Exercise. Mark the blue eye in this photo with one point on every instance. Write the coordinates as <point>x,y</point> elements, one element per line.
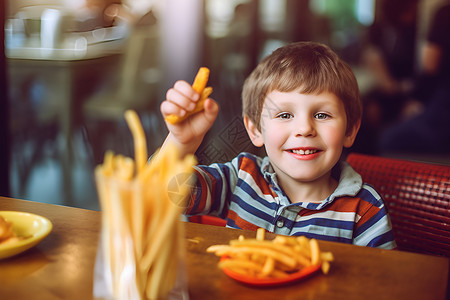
<point>321,116</point>
<point>284,116</point>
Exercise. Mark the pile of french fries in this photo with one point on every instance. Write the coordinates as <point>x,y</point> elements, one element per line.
<point>276,258</point>
<point>141,237</point>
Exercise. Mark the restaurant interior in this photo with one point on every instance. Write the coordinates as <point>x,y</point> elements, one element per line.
<point>71,69</point>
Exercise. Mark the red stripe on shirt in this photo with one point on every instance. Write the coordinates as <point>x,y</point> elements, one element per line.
<point>252,168</point>
<point>346,204</point>
<point>367,215</point>
<point>342,204</point>
<point>241,223</point>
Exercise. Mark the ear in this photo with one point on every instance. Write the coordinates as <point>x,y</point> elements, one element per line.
<point>253,132</point>
<point>350,136</point>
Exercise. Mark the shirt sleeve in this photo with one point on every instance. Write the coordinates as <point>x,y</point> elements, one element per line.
<point>212,189</point>
<point>374,227</point>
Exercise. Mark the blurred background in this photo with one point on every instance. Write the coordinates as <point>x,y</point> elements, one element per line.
<point>70,68</point>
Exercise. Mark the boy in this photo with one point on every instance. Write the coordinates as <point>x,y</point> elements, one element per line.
<point>302,104</point>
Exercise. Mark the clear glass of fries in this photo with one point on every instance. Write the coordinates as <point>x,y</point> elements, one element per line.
<point>141,248</point>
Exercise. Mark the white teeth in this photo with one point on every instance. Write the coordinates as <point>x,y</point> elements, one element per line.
<point>304,152</point>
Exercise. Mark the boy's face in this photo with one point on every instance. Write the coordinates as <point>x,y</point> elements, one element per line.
<point>303,134</point>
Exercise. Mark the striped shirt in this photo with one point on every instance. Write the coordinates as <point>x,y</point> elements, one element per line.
<point>246,193</point>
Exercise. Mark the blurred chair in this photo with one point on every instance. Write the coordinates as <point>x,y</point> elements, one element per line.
<point>417,196</point>
<point>135,86</point>
<point>137,78</point>
<point>33,128</point>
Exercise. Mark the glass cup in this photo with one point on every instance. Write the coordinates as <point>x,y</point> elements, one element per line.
<point>141,250</point>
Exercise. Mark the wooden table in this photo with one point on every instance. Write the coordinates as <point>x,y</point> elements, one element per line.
<point>61,266</point>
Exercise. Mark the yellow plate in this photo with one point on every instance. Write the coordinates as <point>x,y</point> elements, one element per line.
<point>30,228</point>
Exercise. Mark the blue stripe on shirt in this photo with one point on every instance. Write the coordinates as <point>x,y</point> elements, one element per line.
<point>331,223</point>
<point>381,239</point>
<point>322,237</point>
<point>253,212</point>
<point>368,196</point>
<point>253,195</point>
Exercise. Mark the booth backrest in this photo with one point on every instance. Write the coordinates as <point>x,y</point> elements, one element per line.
<point>417,196</point>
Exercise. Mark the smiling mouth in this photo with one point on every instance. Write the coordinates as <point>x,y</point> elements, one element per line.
<point>304,152</point>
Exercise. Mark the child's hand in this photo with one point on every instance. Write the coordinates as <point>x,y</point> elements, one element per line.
<point>180,100</point>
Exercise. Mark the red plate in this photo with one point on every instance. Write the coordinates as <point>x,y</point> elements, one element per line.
<point>294,277</point>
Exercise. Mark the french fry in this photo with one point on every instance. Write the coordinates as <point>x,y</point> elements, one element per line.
<point>315,251</point>
<point>275,258</point>
<point>201,79</point>
<point>241,266</point>
<point>199,85</point>
<point>123,167</point>
<point>326,256</point>
<point>268,267</point>
<point>325,267</point>
<point>140,144</point>
<point>279,257</point>
<point>108,165</point>
<point>281,244</point>
<point>260,234</point>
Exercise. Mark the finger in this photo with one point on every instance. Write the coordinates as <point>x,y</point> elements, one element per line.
<point>202,121</point>
<point>170,108</point>
<point>211,109</point>
<point>180,99</point>
<point>186,89</point>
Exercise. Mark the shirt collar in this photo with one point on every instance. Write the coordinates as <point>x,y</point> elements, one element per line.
<point>349,183</point>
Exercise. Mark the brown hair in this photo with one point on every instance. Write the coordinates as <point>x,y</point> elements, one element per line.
<point>306,67</point>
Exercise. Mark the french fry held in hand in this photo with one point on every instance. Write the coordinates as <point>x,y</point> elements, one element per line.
<point>275,258</point>
<point>199,85</point>
<point>141,235</point>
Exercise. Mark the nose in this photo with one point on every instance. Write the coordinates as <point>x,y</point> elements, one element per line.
<point>304,127</point>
